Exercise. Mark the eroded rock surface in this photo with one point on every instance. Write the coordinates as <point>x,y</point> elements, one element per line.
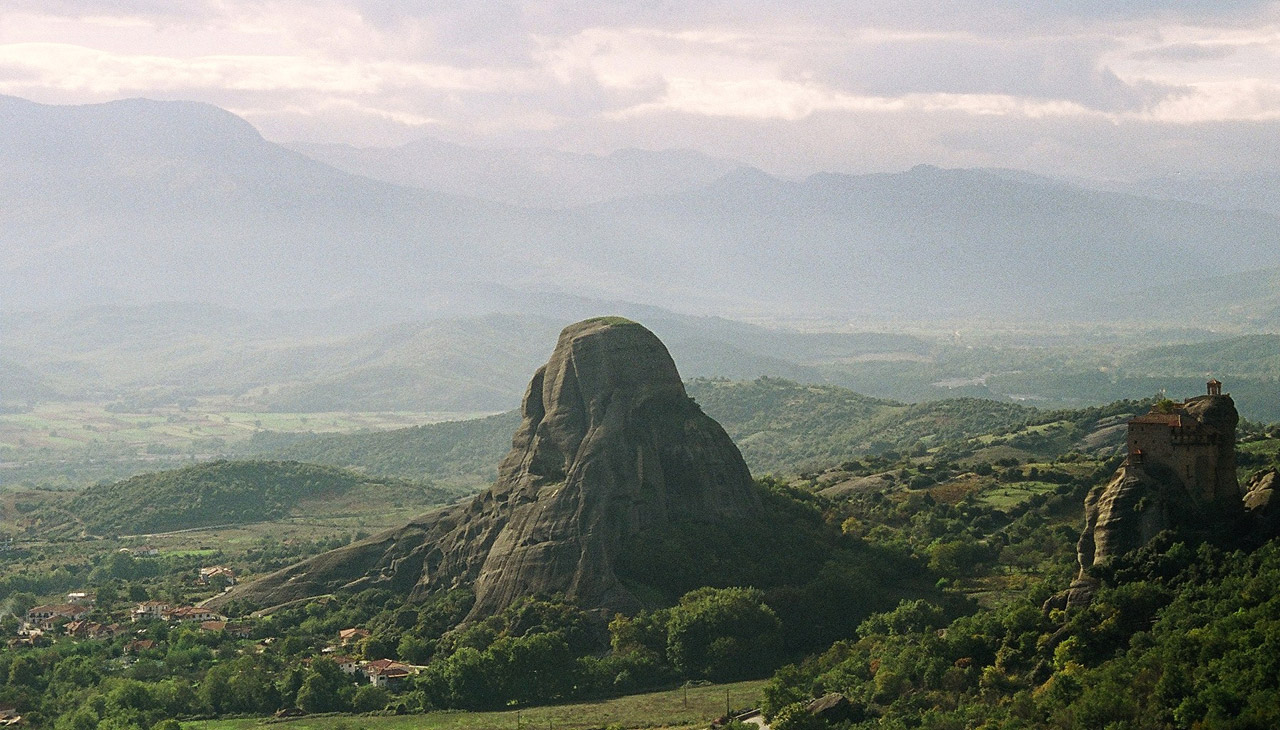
<point>609,446</point>
<point>1260,500</point>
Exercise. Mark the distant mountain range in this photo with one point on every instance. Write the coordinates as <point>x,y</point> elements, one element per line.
<point>142,201</point>
<point>1258,191</point>
<point>534,178</point>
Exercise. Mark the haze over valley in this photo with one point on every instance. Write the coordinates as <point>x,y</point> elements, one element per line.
<point>163,255</point>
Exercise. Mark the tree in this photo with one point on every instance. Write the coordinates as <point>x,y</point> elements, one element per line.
<point>796,717</point>
<point>537,667</point>
<point>24,672</point>
<point>909,617</point>
<point>414,650</point>
<point>320,689</point>
<point>370,698</point>
<point>20,603</point>
<point>723,633</point>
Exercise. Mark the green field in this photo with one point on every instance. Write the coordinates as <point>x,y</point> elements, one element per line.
<point>73,444</point>
<point>694,707</point>
<point>1006,496</point>
<point>59,425</point>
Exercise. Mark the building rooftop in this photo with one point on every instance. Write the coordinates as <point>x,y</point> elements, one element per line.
<point>1163,419</point>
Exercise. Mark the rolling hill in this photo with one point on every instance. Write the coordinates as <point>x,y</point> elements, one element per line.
<point>312,363</point>
<point>1255,356</point>
<point>224,492</point>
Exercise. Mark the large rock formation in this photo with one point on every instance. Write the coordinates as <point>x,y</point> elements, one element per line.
<point>1179,473</point>
<point>610,446</point>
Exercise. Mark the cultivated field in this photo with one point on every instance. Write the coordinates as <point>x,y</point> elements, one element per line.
<point>694,707</point>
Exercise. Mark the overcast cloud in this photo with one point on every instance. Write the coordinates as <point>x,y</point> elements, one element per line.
<point>1106,89</point>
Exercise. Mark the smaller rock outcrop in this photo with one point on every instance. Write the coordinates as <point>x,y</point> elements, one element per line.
<point>833,708</point>
<point>1261,502</point>
<point>1179,473</point>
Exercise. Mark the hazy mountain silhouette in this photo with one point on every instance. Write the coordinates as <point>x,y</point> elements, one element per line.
<point>538,178</point>
<point>140,200</point>
<point>1255,191</point>
<point>143,201</point>
<point>925,242</point>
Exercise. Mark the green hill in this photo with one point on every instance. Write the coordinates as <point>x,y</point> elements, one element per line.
<point>220,493</point>
<point>464,453</point>
<point>1249,355</point>
<point>782,426</point>
<point>19,384</point>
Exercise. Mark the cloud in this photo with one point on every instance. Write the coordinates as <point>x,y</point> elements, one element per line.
<point>1187,52</point>
<point>75,68</point>
<point>574,71</point>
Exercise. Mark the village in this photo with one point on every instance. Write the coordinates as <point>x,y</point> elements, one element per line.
<point>78,618</point>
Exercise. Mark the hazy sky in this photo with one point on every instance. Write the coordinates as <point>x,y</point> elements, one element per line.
<point>1087,87</point>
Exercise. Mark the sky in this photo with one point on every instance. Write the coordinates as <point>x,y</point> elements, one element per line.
<point>1118,90</point>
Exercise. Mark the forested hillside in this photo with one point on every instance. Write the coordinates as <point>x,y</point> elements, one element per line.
<point>1256,356</point>
<point>985,528</point>
<point>1183,641</point>
<point>782,426</point>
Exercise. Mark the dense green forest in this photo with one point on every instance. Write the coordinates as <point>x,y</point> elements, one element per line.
<point>1187,639</point>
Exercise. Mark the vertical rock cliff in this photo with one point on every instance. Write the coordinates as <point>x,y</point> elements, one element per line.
<point>610,446</point>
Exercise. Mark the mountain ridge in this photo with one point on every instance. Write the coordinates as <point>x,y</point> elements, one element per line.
<point>266,227</point>
<point>525,177</point>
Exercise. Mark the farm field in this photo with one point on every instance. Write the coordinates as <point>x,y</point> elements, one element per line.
<point>667,709</point>
<point>72,444</point>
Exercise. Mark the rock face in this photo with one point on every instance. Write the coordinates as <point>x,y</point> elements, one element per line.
<point>833,707</point>
<point>609,446</point>
<point>1179,473</point>
<point>1261,503</point>
<point>1127,512</point>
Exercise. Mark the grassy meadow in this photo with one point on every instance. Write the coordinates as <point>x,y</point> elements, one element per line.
<point>694,707</point>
